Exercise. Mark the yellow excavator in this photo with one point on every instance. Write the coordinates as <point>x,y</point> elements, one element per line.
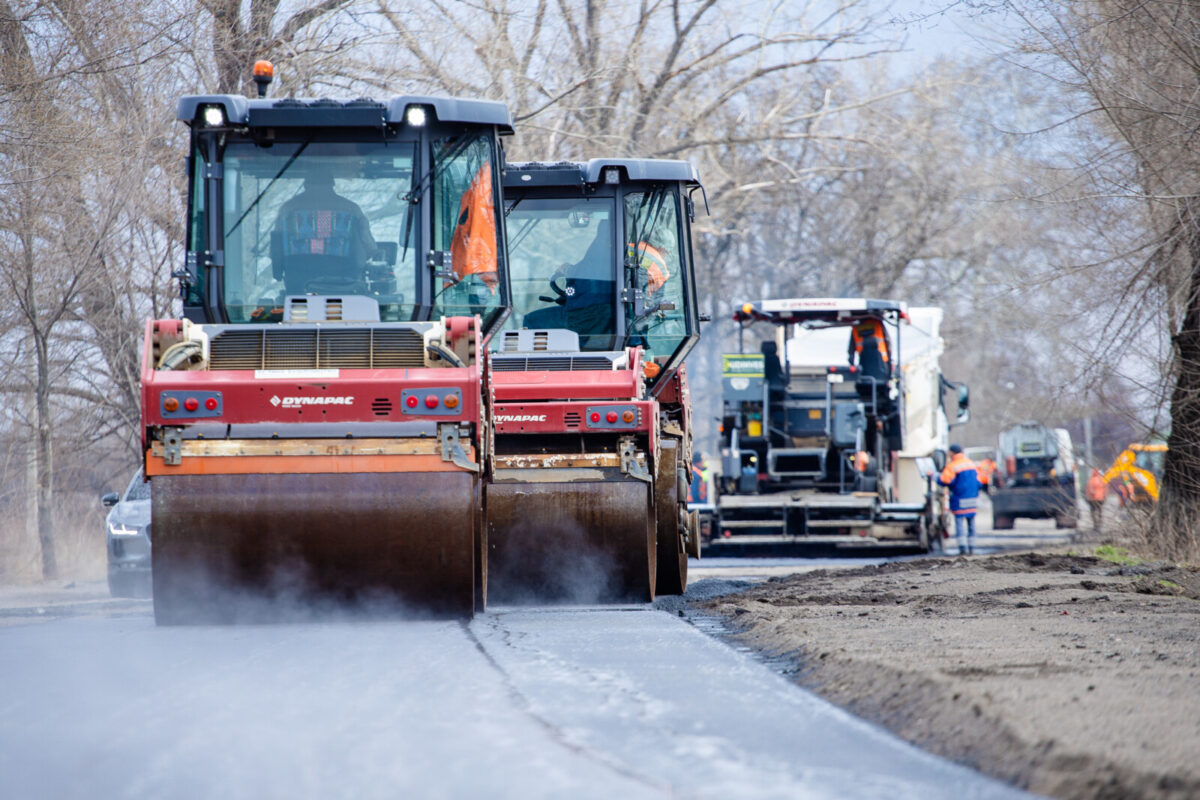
<point>1137,471</point>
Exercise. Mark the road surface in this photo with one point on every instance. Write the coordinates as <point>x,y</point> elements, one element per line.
<point>583,702</point>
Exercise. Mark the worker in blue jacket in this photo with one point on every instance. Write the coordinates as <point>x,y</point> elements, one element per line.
<point>962,478</point>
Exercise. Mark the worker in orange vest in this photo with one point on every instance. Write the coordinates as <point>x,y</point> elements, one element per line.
<point>862,329</point>
<point>986,469</point>
<point>1097,491</point>
<point>652,260</point>
<point>961,477</point>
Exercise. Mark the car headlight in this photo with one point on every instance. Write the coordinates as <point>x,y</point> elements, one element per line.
<point>121,530</point>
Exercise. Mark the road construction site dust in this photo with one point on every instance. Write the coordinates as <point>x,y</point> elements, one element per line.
<point>1066,675</point>
<point>551,564</point>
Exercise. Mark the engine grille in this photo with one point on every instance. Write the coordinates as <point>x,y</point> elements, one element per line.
<point>317,348</point>
<point>550,363</point>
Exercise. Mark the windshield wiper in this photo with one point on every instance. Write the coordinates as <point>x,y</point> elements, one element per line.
<point>263,193</point>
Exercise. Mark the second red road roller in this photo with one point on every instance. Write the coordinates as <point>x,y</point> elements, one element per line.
<point>592,419</point>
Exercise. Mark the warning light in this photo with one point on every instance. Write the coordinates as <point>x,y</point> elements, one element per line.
<point>191,404</point>
<point>264,73</point>
<point>650,369</point>
<point>595,416</point>
<point>211,404</point>
<point>451,401</point>
<point>611,416</point>
<point>627,416</point>
<point>747,308</point>
<point>171,404</point>
<point>431,401</point>
<point>411,402</point>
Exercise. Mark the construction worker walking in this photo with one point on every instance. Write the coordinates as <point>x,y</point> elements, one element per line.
<point>1097,491</point>
<point>962,478</point>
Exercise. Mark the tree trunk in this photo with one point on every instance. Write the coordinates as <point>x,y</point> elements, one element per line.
<point>45,495</point>
<point>1178,510</point>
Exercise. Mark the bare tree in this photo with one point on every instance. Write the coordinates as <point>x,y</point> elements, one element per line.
<point>69,118</point>
<point>1137,64</point>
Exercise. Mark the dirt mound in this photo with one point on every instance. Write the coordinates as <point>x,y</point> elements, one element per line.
<point>1068,675</point>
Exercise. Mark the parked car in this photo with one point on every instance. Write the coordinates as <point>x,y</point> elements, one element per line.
<point>128,537</point>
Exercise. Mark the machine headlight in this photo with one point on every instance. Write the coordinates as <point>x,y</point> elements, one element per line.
<point>120,530</point>
<point>415,116</point>
<point>214,116</point>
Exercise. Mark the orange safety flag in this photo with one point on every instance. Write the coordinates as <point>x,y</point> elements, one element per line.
<point>473,247</point>
<point>872,327</point>
<point>653,261</point>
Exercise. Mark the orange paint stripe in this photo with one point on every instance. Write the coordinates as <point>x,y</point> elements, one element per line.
<point>258,465</point>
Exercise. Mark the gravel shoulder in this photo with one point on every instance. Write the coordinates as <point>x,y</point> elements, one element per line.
<point>1064,674</point>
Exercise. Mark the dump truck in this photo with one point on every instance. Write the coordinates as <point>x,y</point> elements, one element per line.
<point>315,426</point>
<point>1035,476</point>
<point>1137,471</point>
<point>813,446</point>
<point>593,432</point>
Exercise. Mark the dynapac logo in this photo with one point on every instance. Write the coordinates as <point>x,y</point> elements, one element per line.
<point>295,402</point>
<point>520,418</point>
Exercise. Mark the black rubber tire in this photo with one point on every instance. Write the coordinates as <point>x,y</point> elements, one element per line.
<point>671,575</point>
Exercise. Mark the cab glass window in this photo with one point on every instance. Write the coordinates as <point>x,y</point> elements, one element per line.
<point>654,266</point>
<point>197,235</point>
<point>563,267</point>
<point>466,229</point>
<point>324,218</point>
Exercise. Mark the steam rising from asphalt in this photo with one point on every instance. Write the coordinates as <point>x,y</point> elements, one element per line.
<point>537,565</point>
<point>288,593</point>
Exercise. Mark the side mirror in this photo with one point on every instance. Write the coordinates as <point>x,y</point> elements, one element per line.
<point>110,499</point>
<point>939,460</point>
<point>964,405</point>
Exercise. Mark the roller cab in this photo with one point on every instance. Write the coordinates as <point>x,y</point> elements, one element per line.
<point>315,425</point>
<point>587,500</point>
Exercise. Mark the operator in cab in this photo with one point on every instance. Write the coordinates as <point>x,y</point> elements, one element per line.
<point>321,241</point>
<point>859,333</point>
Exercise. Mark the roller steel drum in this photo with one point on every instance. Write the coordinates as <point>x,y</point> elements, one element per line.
<point>570,542</point>
<point>232,548</point>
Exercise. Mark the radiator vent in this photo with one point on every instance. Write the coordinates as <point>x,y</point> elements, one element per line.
<point>382,406</point>
<point>316,348</point>
<point>506,363</point>
<point>572,419</point>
